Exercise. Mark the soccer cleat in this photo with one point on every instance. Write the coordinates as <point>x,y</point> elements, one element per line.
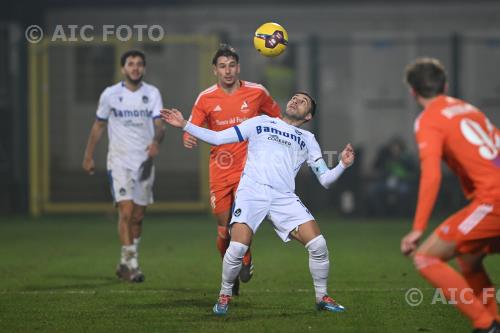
<point>327,303</point>
<point>494,328</point>
<point>246,271</point>
<point>236,287</point>
<point>122,272</point>
<point>220,308</point>
<point>136,275</point>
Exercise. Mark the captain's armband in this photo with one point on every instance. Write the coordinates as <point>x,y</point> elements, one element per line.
<point>319,167</point>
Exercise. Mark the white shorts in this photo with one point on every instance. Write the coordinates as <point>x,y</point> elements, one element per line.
<point>256,201</point>
<point>125,185</point>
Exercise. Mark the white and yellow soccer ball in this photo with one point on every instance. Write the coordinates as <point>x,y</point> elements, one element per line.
<point>270,39</point>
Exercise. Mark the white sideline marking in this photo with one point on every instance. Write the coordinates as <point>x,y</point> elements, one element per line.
<point>167,291</point>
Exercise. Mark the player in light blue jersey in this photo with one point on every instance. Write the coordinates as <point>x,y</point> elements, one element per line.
<point>276,150</point>
<point>130,110</point>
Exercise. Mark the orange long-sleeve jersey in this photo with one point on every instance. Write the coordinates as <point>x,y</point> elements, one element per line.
<point>219,110</point>
<point>461,135</point>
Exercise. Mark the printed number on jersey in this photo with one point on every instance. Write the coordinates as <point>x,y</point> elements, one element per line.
<point>487,141</point>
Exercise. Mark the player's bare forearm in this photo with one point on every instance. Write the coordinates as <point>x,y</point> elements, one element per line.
<point>94,137</point>
<point>153,148</point>
<point>159,131</point>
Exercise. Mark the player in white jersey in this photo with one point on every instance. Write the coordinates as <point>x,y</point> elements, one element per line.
<point>131,110</point>
<point>276,150</point>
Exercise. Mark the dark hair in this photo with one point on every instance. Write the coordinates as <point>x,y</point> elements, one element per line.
<point>426,76</point>
<point>132,53</point>
<point>312,109</point>
<point>225,50</point>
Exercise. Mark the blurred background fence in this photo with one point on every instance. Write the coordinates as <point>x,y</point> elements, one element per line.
<point>351,56</point>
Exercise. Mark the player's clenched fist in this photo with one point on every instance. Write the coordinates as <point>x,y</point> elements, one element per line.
<point>347,155</point>
<point>88,165</point>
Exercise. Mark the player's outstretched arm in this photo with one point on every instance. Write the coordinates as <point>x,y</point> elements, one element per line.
<point>327,176</point>
<point>88,163</point>
<point>175,118</point>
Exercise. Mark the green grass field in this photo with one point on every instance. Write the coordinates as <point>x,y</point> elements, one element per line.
<point>57,275</point>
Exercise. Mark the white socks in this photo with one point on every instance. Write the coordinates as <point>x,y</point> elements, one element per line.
<point>136,242</point>
<point>129,256</point>
<point>231,266</point>
<point>319,265</point>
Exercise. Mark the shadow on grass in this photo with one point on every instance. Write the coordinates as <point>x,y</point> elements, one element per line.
<point>74,282</point>
<point>198,310</point>
<point>81,277</point>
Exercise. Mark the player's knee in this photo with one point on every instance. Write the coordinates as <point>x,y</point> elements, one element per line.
<point>317,248</point>
<point>422,261</point>
<point>235,252</point>
<point>125,217</point>
<point>138,217</point>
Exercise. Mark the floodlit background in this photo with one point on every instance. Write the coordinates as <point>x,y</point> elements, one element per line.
<point>349,54</point>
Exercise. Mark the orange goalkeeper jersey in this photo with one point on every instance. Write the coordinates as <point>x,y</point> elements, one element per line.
<point>458,133</point>
<point>219,110</point>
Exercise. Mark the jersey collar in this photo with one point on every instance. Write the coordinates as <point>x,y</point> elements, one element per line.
<point>122,82</point>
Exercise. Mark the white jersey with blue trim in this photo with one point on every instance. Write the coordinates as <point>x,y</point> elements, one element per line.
<point>276,151</point>
<point>130,116</point>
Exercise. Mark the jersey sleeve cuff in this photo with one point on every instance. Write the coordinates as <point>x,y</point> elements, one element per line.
<point>419,226</point>
<point>101,119</point>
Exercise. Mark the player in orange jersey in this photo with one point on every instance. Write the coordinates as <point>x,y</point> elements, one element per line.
<point>224,105</point>
<point>456,132</point>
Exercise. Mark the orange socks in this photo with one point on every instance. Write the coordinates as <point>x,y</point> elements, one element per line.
<point>247,259</point>
<point>454,287</point>
<point>483,288</point>
<point>222,240</point>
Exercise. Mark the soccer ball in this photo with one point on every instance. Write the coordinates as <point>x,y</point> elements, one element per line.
<point>270,39</point>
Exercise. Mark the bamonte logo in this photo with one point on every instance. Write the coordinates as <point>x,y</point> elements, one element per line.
<point>132,113</point>
<point>272,130</point>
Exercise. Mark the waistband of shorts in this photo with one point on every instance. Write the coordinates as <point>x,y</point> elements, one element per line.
<point>246,177</point>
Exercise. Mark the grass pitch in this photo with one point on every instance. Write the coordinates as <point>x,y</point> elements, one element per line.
<point>57,275</point>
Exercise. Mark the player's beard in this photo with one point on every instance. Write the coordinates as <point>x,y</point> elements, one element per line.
<point>134,82</point>
<point>294,117</point>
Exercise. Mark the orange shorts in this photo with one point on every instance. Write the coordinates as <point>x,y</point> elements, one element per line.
<point>475,228</point>
<point>222,197</point>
